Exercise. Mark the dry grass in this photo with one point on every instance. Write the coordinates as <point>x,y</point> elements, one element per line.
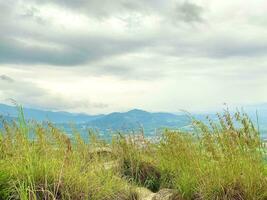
<point>219,161</point>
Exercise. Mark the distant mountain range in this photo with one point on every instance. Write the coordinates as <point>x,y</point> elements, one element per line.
<point>41,115</point>
<point>125,121</point>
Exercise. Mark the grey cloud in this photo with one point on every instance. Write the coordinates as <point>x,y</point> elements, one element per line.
<point>106,8</point>
<point>14,51</point>
<point>213,47</point>
<point>177,11</point>
<point>6,9</point>
<point>128,71</point>
<point>232,47</point>
<point>76,49</point>
<point>188,12</point>
<point>31,13</point>
<point>73,51</point>
<point>12,89</point>
<point>185,10</point>
<point>6,78</point>
<point>83,49</point>
<point>113,69</point>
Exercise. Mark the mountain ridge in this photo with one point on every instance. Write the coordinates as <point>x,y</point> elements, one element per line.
<point>124,121</point>
<point>46,115</point>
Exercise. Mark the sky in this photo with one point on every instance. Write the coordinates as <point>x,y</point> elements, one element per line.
<point>101,56</point>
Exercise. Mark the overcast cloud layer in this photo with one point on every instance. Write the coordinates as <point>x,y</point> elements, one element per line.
<point>99,56</point>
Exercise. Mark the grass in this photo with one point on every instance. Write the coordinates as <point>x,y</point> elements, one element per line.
<point>225,160</point>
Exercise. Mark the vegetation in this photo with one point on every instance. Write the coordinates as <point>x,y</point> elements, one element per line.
<point>218,161</point>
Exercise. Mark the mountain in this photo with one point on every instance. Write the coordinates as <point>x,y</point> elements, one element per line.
<point>42,115</point>
<point>136,119</point>
<point>127,121</point>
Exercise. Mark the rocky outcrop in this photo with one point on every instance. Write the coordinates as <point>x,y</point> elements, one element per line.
<point>163,194</point>
<point>144,193</point>
<point>166,194</point>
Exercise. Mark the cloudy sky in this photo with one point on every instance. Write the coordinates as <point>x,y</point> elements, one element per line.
<point>99,56</point>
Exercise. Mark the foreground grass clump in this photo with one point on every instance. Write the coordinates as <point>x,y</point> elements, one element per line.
<point>223,160</point>
<point>219,161</point>
<point>50,166</point>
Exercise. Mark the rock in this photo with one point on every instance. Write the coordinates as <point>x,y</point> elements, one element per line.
<point>167,194</point>
<point>149,197</point>
<point>144,193</point>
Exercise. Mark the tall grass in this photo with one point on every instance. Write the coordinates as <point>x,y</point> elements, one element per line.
<point>50,166</point>
<point>221,160</point>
